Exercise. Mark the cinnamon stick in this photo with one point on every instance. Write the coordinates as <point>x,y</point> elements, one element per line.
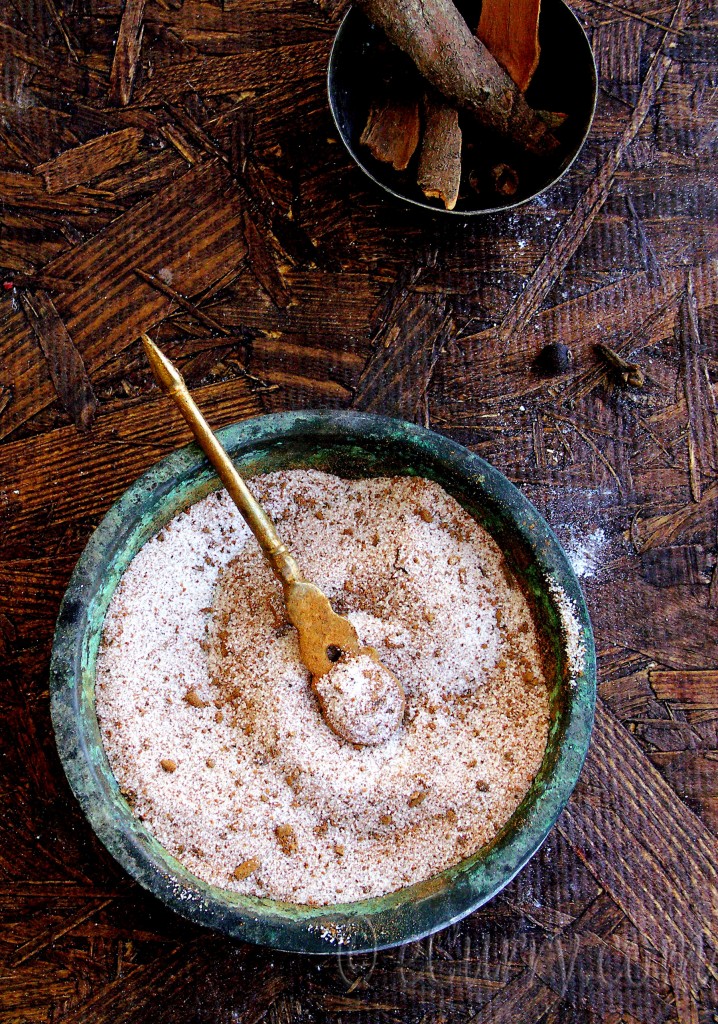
<point>445,51</point>
<point>509,28</point>
<point>392,130</point>
<point>439,173</point>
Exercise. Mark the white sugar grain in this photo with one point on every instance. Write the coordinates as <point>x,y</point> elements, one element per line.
<point>199,667</point>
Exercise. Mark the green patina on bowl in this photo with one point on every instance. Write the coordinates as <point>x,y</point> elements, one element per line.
<point>353,445</point>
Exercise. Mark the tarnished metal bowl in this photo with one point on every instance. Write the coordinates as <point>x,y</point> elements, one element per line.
<point>351,445</point>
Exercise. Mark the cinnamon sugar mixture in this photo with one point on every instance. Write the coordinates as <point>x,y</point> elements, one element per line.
<point>215,736</point>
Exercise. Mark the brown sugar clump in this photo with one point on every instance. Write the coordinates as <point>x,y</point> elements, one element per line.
<point>287,839</point>
<point>193,698</point>
<point>245,869</point>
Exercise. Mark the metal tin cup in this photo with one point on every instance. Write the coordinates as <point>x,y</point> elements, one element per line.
<point>565,81</point>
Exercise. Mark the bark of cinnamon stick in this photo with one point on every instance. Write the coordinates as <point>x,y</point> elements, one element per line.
<point>392,130</point>
<point>439,174</point>
<point>509,28</point>
<point>445,51</point>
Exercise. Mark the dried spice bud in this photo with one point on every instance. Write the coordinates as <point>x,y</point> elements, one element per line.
<point>629,374</point>
<point>168,764</point>
<point>286,838</point>
<point>245,869</point>
<point>506,180</point>
<point>554,359</point>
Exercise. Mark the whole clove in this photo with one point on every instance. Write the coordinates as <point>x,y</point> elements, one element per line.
<point>628,374</point>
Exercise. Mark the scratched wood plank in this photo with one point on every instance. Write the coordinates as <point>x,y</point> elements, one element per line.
<point>686,690</point>
<point>406,348</point>
<point>623,251</point>
<point>182,982</point>
<point>652,316</point>
<point>653,856</point>
<point>127,52</point>
<point>140,434</point>
<point>543,983</point>
<point>64,362</point>
<point>259,70</point>
<point>28,191</point>
<point>91,160</point>
<point>691,773</point>
<point>576,227</point>
<point>700,400</point>
<point>190,231</point>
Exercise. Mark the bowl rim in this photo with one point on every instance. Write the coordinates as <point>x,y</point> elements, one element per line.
<point>346,24</point>
<point>368,925</point>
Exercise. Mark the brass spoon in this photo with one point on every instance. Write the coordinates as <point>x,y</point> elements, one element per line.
<point>324,636</point>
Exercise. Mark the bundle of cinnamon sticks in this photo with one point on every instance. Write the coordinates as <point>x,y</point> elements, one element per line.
<point>482,73</point>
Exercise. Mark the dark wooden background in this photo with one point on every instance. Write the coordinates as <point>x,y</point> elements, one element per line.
<point>173,167</point>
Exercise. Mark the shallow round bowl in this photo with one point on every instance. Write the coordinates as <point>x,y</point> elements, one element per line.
<point>350,445</point>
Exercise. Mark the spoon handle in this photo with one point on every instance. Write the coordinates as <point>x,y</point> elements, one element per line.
<point>278,554</point>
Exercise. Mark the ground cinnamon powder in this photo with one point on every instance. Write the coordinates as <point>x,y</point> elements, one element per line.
<point>199,668</point>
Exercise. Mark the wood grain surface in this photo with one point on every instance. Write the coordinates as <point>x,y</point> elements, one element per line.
<point>171,165</point>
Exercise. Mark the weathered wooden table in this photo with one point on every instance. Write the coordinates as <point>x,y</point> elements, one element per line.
<point>174,167</point>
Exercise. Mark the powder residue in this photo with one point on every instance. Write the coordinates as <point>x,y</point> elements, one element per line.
<point>586,551</point>
<point>574,642</point>
<point>199,667</point>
